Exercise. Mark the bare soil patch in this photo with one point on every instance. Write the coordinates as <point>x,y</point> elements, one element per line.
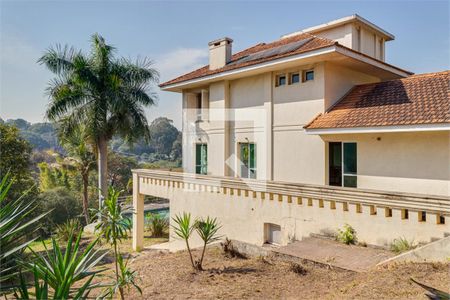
<point>169,276</point>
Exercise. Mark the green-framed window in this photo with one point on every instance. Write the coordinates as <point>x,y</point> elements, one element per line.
<point>201,159</point>
<point>343,164</point>
<point>247,160</point>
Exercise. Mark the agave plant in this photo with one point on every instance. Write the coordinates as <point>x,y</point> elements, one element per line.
<point>58,272</point>
<point>65,230</point>
<point>157,224</point>
<point>16,225</point>
<point>113,226</point>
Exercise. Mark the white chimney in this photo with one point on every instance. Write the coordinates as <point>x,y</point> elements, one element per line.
<point>219,53</point>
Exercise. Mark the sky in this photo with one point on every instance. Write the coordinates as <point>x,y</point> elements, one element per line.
<point>175,36</point>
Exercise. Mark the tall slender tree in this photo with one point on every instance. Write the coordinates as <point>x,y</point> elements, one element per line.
<point>105,94</point>
<point>80,157</point>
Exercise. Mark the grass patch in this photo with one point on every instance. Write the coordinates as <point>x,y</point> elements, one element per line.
<point>402,245</point>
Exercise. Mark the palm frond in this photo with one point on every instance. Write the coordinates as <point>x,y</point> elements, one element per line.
<point>59,59</point>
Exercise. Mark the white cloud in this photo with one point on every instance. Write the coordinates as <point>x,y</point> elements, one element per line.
<point>180,61</point>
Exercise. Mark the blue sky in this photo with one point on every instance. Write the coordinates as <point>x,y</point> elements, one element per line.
<point>175,35</point>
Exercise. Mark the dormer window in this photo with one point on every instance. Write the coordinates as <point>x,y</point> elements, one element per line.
<point>281,80</point>
<point>308,75</point>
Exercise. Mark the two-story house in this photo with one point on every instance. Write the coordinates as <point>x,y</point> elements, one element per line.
<point>312,131</point>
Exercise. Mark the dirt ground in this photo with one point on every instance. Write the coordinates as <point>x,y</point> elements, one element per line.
<point>169,276</point>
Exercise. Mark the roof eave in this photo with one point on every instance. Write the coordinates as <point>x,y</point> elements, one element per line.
<point>178,87</point>
<point>353,18</point>
<point>380,129</point>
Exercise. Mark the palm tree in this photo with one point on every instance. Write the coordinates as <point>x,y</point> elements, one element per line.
<point>105,94</point>
<point>80,156</point>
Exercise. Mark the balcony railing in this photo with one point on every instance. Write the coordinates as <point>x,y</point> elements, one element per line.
<point>277,189</point>
<point>165,184</point>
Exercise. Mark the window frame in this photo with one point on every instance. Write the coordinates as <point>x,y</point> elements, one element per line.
<point>343,165</point>
<point>304,80</point>
<point>201,166</point>
<point>250,169</point>
<point>277,80</point>
<point>290,78</point>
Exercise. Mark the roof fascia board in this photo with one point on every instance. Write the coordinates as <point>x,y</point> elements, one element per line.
<point>325,50</point>
<point>267,64</point>
<point>380,129</point>
<point>353,54</point>
<point>342,21</point>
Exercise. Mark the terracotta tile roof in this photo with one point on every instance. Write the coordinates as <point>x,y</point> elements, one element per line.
<point>313,44</point>
<point>418,99</point>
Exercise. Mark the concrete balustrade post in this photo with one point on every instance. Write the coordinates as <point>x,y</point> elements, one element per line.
<point>138,216</point>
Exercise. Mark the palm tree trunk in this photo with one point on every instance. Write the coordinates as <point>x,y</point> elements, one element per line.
<point>102,145</point>
<point>85,177</point>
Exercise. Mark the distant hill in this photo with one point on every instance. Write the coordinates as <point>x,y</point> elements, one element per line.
<point>41,136</point>
<point>165,141</point>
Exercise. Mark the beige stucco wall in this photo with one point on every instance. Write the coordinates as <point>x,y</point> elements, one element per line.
<point>342,34</point>
<point>339,80</point>
<point>416,162</point>
<point>273,118</point>
<point>357,37</point>
<point>243,218</point>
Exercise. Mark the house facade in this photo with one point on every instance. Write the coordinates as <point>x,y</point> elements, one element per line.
<point>317,119</point>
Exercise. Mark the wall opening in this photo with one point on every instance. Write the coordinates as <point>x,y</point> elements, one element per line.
<point>272,233</point>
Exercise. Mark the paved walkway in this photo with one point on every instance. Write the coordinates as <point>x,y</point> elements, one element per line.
<point>354,258</point>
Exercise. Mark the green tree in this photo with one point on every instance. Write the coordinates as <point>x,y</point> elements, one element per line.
<point>163,135</point>
<point>80,157</point>
<point>15,153</point>
<point>63,205</point>
<point>177,150</point>
<point>53,176</point>
<point>119,170</point>
<point>105,94</point>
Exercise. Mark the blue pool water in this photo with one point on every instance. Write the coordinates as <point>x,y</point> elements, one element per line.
<point>163,212</point>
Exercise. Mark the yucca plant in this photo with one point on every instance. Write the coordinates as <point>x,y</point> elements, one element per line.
<point>183,229</point>
<point>157,224</point>
<point>127,278</point>
<point>16,226</point>
<point>58,272</point>
<point>207,230</point>
<point>113,226</point>
<point>65,230</point>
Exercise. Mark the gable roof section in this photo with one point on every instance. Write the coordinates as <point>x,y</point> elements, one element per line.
<point>298,44</point>
<point>238,60</point>
<point>416,100</point>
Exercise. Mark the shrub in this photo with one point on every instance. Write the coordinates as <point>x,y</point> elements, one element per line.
<point>230,250</point>
<point>71,227</point>
<point>158,224</point>
<point>402,244</point>
<point>63,206</point>
<point>347,235</point>
<point>298,269</point>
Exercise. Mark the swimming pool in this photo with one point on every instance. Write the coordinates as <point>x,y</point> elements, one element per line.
<point>163,212</point>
